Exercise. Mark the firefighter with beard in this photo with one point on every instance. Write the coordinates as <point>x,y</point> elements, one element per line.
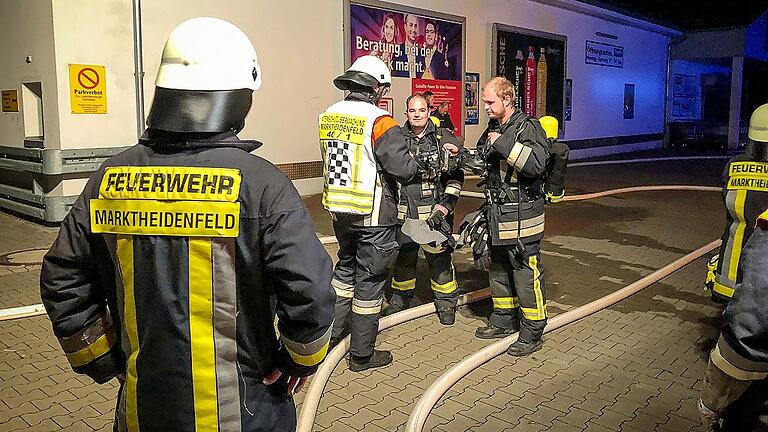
<point>431,197</point>
<point>172,264</point>
<point>505,234</point>
<point>745,193</point>
<point>736,381</point>
<point>365,155</point>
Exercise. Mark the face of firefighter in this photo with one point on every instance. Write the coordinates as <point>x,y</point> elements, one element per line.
<point>496,107</point>
<point>418,114</point>
<point>412,28</point>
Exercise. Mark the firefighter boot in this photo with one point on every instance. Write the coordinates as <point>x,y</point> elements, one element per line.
<point>396,304</point>
<point>493,332</point>
<point>375,360</point>
<point>446,315</point>
<point>522,349</point>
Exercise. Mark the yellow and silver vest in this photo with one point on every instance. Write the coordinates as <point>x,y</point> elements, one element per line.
<point>349,167</point>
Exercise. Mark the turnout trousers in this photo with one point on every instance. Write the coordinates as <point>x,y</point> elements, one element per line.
<point>518,292</point>
<point>365,254</point>
<point>442,275</point>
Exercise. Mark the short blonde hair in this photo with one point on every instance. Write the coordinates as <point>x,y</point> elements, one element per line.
<point>503,88</point>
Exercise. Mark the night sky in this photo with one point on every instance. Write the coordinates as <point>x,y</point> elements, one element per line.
<point>689,14</point>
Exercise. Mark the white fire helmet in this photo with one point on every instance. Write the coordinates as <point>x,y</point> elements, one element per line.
<point>366,71</point>
<point>208,54</point>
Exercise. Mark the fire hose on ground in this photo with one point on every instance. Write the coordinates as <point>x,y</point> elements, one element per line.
<point>320,379</point>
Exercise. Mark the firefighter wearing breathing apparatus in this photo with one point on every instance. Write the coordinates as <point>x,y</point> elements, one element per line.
<point>427,203</point>
<point>505,234</point>
<point>172,265</point>
<point>745,193</point>
<point>365,155</point>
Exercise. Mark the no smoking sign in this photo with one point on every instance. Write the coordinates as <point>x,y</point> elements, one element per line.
<point>88,89</point>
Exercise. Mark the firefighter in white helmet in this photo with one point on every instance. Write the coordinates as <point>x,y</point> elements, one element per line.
<point>171,266</point>
<point>365,155</point>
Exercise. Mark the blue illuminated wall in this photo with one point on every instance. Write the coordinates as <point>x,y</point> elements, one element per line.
<point>695,70</point>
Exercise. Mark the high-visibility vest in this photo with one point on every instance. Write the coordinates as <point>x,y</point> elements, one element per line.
<point>349,166</point>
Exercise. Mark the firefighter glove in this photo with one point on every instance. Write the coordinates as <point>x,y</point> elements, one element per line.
<point>709,284</point>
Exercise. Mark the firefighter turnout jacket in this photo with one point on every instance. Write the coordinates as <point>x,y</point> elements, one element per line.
<point>419,196</point>
<point>364,158</point>
<point>736,384</point>
<point>521,151</point>
<point>745,192</point>
<point>169,270</point>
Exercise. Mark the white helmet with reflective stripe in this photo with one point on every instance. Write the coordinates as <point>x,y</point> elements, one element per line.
<point>367,71</point>
<point>207,75</point>
<point>208,54</point>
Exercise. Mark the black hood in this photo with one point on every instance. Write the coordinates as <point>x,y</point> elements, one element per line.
<point>757,150</point>
<point>199,111</point>
<point>172,141</point>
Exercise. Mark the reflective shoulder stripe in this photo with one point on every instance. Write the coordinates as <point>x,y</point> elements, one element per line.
<point>736,366</point>
<point>309,353</point>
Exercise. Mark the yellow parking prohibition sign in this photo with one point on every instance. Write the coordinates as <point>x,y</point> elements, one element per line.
<point>88,89</point>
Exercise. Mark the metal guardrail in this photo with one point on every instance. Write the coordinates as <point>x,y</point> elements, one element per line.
<point>47,162</point>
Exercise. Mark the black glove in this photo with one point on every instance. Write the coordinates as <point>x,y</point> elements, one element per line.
<point>480,251</point>
<point>436,220</point>
<point>439,223</point>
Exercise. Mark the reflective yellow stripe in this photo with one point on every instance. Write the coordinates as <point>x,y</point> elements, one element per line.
<point>352,192</point>
<point>740,374</point>
<point>531,314</point>
<point>360,310</point>
<point>723,290</point>
<point>404,285</point>
<point>541,307</point>
<point>447,287</point>
<point>738,237</point>
<point>344,293</point>
<point>504,302</point>
<point>201,335</point>
<point>125,260</point>
<point>309,360</point>
<point>93,351</point>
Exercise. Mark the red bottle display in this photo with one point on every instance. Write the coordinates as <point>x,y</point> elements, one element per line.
<point>530,83</point>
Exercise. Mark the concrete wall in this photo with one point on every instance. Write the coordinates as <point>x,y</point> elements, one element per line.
<point>97,32</point>
<point>27,30</point>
